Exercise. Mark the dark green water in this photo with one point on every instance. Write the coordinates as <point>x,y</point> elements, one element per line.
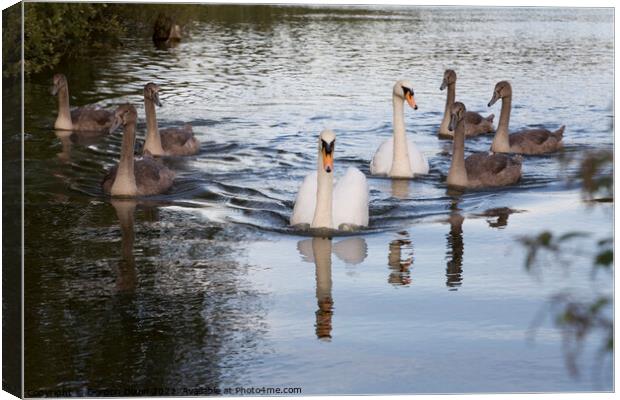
<point>207,288</point>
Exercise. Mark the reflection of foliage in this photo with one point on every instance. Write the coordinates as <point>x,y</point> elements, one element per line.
<point>162,26</point>
<point>547,241</point>
<point>576,317</point>
<point>56,30</point>
<point>11,39</point>
<point>596,177</point>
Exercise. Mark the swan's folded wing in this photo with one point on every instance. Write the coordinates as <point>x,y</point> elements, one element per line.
<point>382,161</point>
<point>152,177</point>
<point>473,118</point>
<point>90,118</point>
<point>479,164</point>
<point>419,163</point>
<point>536,136</point>
<point>305,202</point>
<point>350,205</point>
<point>175,136</point>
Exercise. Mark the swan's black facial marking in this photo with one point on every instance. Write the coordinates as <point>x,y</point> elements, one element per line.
<point>407,90</point>
<point>408,95</point>
<point>328,148</point>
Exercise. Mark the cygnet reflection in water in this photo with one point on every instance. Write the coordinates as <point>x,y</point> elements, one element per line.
<point>319,251</point>
<point>454,246</point>
<point>65,141</point>
<point>68,139</point>
<point>498,217</point>
<point>126,271</point>
<point>454,252</point>
<point>398,262</point>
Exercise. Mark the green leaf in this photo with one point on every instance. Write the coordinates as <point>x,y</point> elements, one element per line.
<point>605,258</point>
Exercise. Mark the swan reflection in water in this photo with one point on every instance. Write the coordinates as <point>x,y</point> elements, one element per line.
<point>454,245</point>
<point>68,139</point>
<point>66,143</point>
<point>126,271</point>
<point>454,253</point>
<point>319,251</point>
<point>400,188</point>
<point>400,264</point>
<point>495,217</point>
<point>498,217</point>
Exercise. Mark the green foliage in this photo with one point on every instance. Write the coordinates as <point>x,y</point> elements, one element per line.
<point>577,319</point>
<point>549,242</point>
<point>11,39</point>
<point>605,256</point>
<point>59,31</point>
<point>53,31</point>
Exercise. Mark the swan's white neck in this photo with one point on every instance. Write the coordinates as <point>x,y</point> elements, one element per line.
<point>323,210</point>
<point>401,167</point>
<point>457,175</point>
<point>125,181</point>
<point>501,141</point>
<point>63,121</point>
<point>443,128</point>
<point>152,144</point>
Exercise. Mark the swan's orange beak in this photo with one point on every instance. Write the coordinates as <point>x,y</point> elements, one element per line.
<point>411,101</point>
<point>328,161</point>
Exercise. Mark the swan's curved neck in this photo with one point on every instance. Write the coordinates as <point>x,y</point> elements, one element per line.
<point>457,175</point>
<point>153,140</point>
<point>401,167</point>
<point>63,121</point>
<point>443,128</point>
<point>501,142</point>
<point>323,210</point>
<point>125,182</point>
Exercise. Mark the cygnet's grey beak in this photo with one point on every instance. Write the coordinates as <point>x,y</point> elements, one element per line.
<point>493,99</point>
<point>452,124</point>
<point>156,100</point>
<point>444,84</point>
<point>115,124</point>
<point>54,90</point>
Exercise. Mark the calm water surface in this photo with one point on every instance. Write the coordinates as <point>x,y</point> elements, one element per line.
<point>207,287</point>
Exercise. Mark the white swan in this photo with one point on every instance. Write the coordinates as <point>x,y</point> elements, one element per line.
<point>321,204</point>
<point>398,157</point>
